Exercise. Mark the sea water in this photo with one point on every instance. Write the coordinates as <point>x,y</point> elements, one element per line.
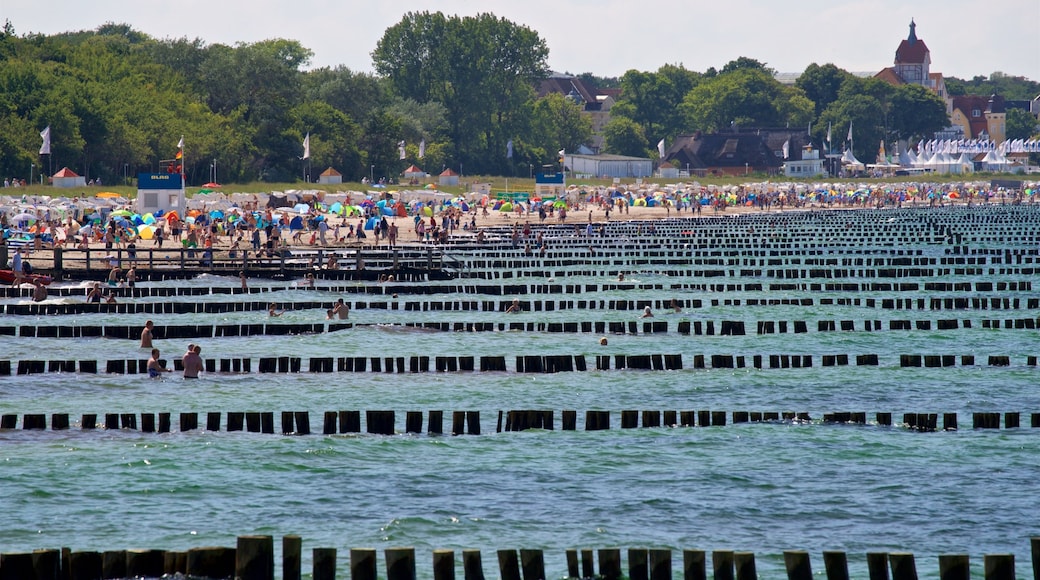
<point>761,487</point>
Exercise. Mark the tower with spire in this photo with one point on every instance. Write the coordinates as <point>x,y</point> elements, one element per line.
<point>913,59</point>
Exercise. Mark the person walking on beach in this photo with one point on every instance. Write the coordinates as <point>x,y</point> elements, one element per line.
<point>146,334</point>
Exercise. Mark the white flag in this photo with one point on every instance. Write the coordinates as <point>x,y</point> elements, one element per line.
<point>828,133</point>
<point>660,148</point>
<point>306,147</point>
<point>787,149</point>
<point>45,149</point>
<point>509,149</point>
<point>422,148</point>
<point>850,132</point>
<point>180,144</point>
<point>400,149</point>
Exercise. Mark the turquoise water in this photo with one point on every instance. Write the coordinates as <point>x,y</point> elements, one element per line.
<point>763,487</point>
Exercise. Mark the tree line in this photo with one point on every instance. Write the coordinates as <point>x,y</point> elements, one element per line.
<point>465,88</point>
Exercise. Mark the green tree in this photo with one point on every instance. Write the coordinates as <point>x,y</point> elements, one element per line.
<point>480,68</point>
<point>652,99</point>
<point>864,113</point>
<point>561,124</point>
<point>745,97</point>
<point>917,113</point>
<point>1020,124</point>
<point>821,85</point>
<point>623,136</point>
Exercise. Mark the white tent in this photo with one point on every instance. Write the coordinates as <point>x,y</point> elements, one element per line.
<point>848,159</point>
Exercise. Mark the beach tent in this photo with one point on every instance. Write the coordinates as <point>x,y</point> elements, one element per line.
<point>449,177</point>
<point>68,178</point>
<point>330,175</point>
<point>848,159</point>
<point>414,172</point>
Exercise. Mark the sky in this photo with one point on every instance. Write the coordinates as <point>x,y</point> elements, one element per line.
<point>602,37</point>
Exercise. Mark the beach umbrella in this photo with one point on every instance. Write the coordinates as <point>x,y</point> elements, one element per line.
<point>122,213</point>
<point>22,217</point>
<point>216,214</point>
<point>336,208</point>
<point>84,230</point>
<point>301,208</point>
<point>148,218</point>
<point>146,232</point>
<point>296,223</point>
<point>371,223</point>
<point>507,206</point>
<point>427,211</point>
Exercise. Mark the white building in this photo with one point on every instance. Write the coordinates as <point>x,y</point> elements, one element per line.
<point>810,165</point>
<point>609,165</point>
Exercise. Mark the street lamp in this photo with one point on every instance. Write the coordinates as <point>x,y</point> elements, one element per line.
<point>371,174</point>
<point>126,174</point>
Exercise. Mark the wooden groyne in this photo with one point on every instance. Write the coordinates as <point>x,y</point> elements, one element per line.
<point>385,422</point>
<point>253,558</point>
<point>521,363</point>
<point>683,327</point>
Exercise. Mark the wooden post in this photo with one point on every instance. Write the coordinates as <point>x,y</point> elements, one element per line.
<point>175,563</point>
<point>638,564</point>
<point>46,564</point>
<point>588,565</point>
<point>84,566</point>
<point>1035,545</point>
<point>877,565</point>
<point>572,564</point>
<point>660,564</point>
<point>836,564</point>
<point>745,565</point>
<point>694,567</point>
<point>292,550</point>
<point>472,567</point>
<point>16,566</point>
<point>999,566</point>
<point>211,562</point>
<point>903,567</point>
<point>443,565</point>
<point>532,562</point>
<point>145,563</point>
<point>722,564</point>
<point>113,564</point>
<point>400,563</point>
<point>798,565</point>
<point>324,564</point>
<point>954,567</point>
<point>254,557</point>
<point>362,564</point>
<point>609,563</point>
<point>508,565</point>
